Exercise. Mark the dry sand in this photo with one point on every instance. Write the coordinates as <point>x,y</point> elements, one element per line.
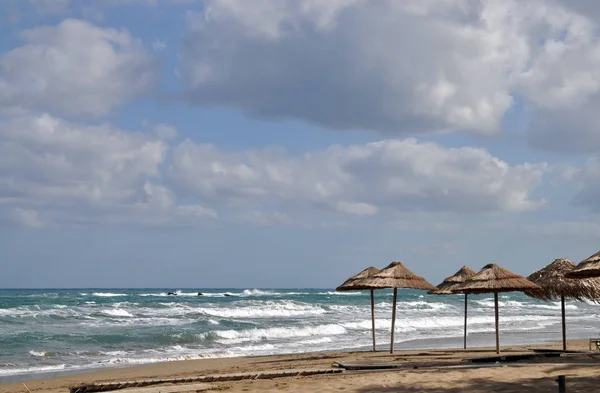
<point>520,377</point>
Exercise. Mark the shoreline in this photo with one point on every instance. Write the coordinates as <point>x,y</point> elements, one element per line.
<point>476,342</point>
<point>308,360</point>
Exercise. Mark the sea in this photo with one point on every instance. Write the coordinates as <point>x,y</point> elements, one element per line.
<point>46,332</point>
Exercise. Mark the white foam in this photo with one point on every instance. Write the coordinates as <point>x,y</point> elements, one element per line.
<point>258,292</point>
<point>528,305</point>
<point>108,294</point>
<point>264,310</point>
<point>366,324</point>
<point>423,305</point>
<point>349,293</point>
<point>40,354</point>
<point>235,336</point>
<point>320,340</point>
<point>117,313</point>
<point>29,370</point>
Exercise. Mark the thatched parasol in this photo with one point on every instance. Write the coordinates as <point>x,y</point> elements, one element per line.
<point>554,286</point>
<point>353,284</point>
<point>452,282</point>
<point>589,267</point>
<point>396,275</point>
<point>494,279</point>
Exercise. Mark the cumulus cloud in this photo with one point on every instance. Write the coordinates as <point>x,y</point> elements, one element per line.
<point>394,67</point>
<point>67,172</point>
<point>56,172</point>
<point>359,180</point>
<point>400,67</point>
<point>563,87</point>
<point>75,68</point>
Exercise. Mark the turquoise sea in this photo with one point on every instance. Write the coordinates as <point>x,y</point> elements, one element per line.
<point>66,330</point>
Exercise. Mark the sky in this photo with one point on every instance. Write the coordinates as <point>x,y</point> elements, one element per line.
<point>292,143</point>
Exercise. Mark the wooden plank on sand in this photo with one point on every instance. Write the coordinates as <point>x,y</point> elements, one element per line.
<point>512,358</point>
<point>183,388</point>
<point>108,386</point>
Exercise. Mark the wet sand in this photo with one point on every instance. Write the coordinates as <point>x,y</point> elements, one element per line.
<point>539,375</point>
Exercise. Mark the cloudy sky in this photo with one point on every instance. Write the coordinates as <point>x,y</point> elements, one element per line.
<point>291,143</point>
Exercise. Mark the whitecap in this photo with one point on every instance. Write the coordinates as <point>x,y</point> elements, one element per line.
<point>108,294</point>
<point>117,313</point>
<point>40,354</point>
<point>235,336</point>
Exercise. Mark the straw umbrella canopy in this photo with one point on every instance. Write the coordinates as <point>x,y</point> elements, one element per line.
<point>396,275</point>
<point>554,286</point>
<point>494,279</point>
<point>452,282</point>
<point>589,267</point>
<point>353,284</point>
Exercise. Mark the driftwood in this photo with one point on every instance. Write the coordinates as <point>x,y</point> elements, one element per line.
<point>108,386</point>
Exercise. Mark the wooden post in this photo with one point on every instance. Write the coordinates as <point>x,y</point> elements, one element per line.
<point>562,384</point>
<point>497,330</point>
<point>564,323</point>
<point>373,318</point>
<point>393,320</point>
<point>465,340</point>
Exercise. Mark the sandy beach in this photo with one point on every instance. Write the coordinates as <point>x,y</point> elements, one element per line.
<point>426,373</point>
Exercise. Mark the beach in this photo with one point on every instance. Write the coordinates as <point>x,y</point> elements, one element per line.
<point>69,331</point>
<point>426,372</point>
<point>54,339</point>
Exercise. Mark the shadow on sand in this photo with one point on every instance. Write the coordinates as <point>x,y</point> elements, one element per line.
<point>477,385</point>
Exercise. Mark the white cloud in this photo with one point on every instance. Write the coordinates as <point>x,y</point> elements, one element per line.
<point>401,67</point>
<point>165,131</point>
<point>394,67</point>
<point>28,218</point>
<point>77,174</point>
<point>57,172</point>
<point>361,180</point>
<point>356,208</point>
<point>75,68</point>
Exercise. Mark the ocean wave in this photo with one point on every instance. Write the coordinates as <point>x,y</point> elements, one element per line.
<point>265,310</point>
<point>117,313</point>
<point>344,293</point>
<point>108,331</point>
<point>30,370</point>
<point>41,354</point>
<point>237,336</point>
<point>37,312</point>
<point>518,304</point>
<point>191,294</point>
<point>108,294</point>
<point>258,292</point>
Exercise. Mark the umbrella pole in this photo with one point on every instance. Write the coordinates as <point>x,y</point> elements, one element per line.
<point>393,320</point>
<point>497,331</point>
<point>564,323</point>
<point>373,318</point>
<point>465,340</point>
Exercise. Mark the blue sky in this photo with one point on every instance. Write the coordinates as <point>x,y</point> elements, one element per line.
<point>281,143</point>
